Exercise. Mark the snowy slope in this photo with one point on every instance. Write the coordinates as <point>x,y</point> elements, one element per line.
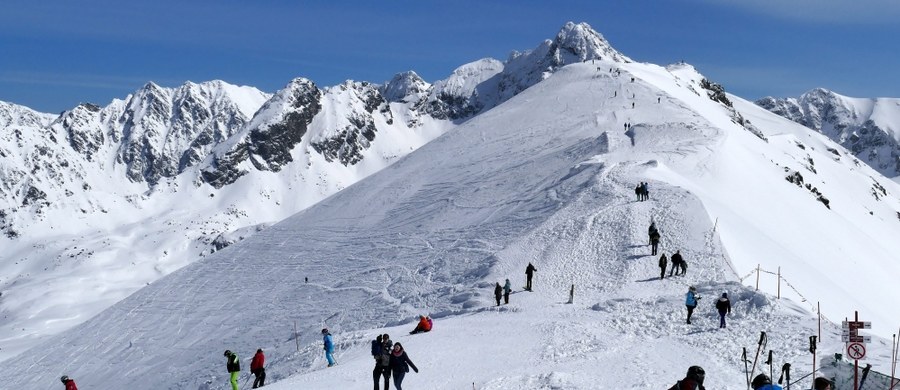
<point>545,177</point>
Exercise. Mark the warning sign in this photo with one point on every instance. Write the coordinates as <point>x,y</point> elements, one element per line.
<point>856,351</point>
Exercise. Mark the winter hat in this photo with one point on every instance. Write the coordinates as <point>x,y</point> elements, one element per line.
<point>696,373</point>
<point>761,380</point>
<point>821,383</point>
<point>64,378</point>
<point>724,295</point>
<point>227,352</point>
<point>692,288</point>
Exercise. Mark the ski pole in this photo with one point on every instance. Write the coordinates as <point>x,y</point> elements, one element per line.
<point>759,347</point>
<point>786,375</point>
<point>769,362</point>
<point>746,373</point>
<point>247,380</point>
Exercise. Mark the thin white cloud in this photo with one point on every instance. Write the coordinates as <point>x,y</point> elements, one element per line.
<point>73,80</point>
<point>822,11</point>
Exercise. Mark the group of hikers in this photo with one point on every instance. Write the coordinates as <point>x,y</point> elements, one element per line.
<point>257,368</point>
<point>642,192</point>
<point>504,290</point>
<point>679,266</point>
<point>390,360</point>
<point>723,305</point>
<point>695,376</point>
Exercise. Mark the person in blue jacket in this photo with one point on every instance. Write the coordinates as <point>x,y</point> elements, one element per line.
<point>329,347</point>
<point>762,382</point>
<point>690,300</point>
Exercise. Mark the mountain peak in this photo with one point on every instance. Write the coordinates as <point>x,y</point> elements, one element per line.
<point>402,85</point>
<point>582,42</point>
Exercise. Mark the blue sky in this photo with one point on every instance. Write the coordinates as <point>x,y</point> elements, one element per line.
<point>55,54</point>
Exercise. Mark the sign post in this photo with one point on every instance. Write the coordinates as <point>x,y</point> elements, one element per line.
<point>856,344</point>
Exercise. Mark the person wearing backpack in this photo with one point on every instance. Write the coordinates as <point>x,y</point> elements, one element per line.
<point>382,356</point>
<point>762,382</point>
<point>678,264</point>
<point>690,300</point>
<point>692,381</point>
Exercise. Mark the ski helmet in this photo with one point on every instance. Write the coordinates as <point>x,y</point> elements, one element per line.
<point>64,378</point>
<point>696,373</point>
<point>761,380</point>
<point>821,383</point>
<point>227,352</point>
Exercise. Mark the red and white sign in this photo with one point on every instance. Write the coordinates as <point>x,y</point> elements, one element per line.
<point>856,351</point>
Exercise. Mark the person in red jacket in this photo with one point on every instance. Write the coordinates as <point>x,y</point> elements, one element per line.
<point>423,326</point>
<point>70,384</point>
<point>257,367</point>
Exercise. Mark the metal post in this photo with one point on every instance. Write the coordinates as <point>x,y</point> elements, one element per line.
<point>296,338</point>
<point>855,361</point>
<point>812,349</point>
<point>819,312</point>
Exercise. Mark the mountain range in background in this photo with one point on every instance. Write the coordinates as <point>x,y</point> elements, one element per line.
<point>501,162</point>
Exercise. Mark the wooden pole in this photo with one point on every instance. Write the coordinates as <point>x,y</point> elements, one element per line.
<point>296,338</point>
<point>893,357</point>
<point>855,361</point>
<point>779,283</point>
<point>819,311</point>
<point>757,277</point>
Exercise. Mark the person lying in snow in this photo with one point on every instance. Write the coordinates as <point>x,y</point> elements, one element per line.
<point>424,325</point>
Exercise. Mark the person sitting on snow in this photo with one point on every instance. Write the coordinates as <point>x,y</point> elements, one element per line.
<point>424,325</point>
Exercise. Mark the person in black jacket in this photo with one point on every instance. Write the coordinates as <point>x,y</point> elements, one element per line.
<point>234,368</point>
<point>663,262</point>
<point>529,273</point>
<point>678,264</point>
<point>723,305</point>
<point>654,242</point>
<point>400,365</point>
<point>498,293</point>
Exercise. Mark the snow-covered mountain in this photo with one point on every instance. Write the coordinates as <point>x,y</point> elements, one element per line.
<point>123,194</point>
<point>869,128</point>
<point>547,177</point>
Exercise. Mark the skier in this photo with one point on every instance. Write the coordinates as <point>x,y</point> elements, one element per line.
<point>498,293</point>
<point>678,263</point>
<point>257,368</point>
<point>529,273</point>
<point>654,242</point>
<point>70,384</point>
<point>723,305</point>
<point>762,382</point>
<point>663,262</point>
<point>329,347</point>
<point>691,300</point>
<point>400,365</point>
<point>507,288</point>
<point>692,381</point>
<point>424,325</point>
<point>233,365</point>
<point>822,384</point>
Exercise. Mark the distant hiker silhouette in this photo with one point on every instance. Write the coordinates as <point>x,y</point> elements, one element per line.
<point>662,266</point>
<point>692,381</point>
<point>645,191</point>
<point>257,368</point>
<point>690,301</point>
<point>70,384</point>
<point>233,365</point>
<point>507,288</point>
<point>679,266</point>
<point>498,293</point>
<point>654,241</point>
<point>632,104</point>
<point>529,273</point>
<point>329,347</point>
<point>723,305</point>
<point>638,193</point>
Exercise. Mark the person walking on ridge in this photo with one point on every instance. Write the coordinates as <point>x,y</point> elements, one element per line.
<point>507,288</point>
<point>257,368</point>
<point>678,264</point>
<point>723,305</point>
<point>529,273</point>
<point>691,299</point>
<point>233,365</point>
<point>329,347</point>
<point>663,262</point>
<point>654,242</point>
<point>498,293</point>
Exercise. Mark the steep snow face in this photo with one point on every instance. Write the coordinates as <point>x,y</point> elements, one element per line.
<point>405,87</point>
<point>870,128</point>
<point>546,177</point>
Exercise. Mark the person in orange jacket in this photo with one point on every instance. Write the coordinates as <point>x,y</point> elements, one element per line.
<point>424,325</point>
<point>257,368</point>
